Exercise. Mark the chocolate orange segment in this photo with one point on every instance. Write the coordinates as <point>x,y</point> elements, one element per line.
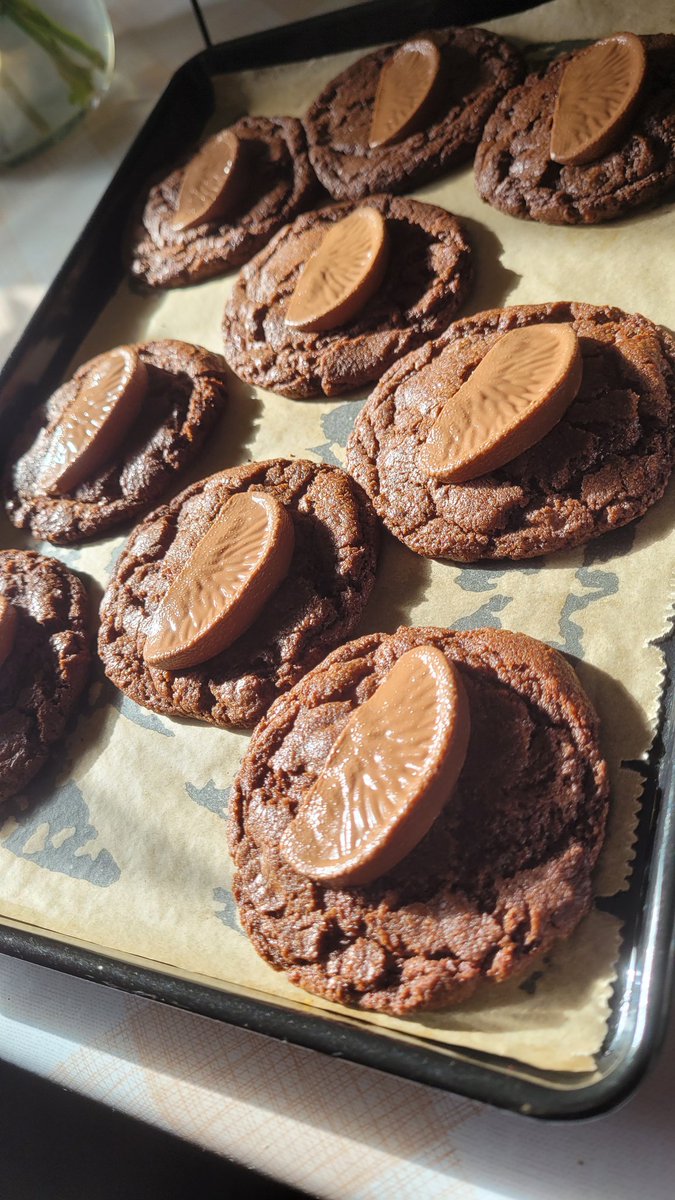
<point>387,777</point>
<point>515,396</point>
<point>212,182</point>
<point>7,628</point>
<point>231,574</point>
<point>598,91</point>
<point>342,275</point>
<point>90,429</point>
<point>406,92</point>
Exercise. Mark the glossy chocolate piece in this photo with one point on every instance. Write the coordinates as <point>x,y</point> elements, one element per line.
<point>212,182</point>
<point>597,94</point>
<point>92,427</point>
<point>225,583</point>
<point>407,91</point>
<point>515,396</point>
<point>387,777</point>
<point>342,275</point>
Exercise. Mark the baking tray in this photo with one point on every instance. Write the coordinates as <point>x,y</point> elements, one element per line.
<point>84,285</point>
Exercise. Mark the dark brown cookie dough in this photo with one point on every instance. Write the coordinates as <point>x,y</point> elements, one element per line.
<point>315,607</point>
<point>47,667</point>
<point>186,393</point>
<point>281,183</point>
<point>515,174</point>
<point>478,66</point>
<point>604,464</point>
<point>427,279</point>
<point>504,870</point>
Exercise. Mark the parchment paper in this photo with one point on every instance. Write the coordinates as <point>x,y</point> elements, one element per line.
<point>121,842</point>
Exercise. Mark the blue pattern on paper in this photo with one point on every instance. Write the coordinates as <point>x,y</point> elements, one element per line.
<point>114,556</point>
<point>598,584</point>
<point>489,575</point>
<point>337,426</point>
<point>228,913</point>
<point>217,801</point>
<point>56,833</point>
<point>476,579</point>
<point>70,555</point>
<point>211,797</point>
<point>485,615</point>
<point>140,716</point>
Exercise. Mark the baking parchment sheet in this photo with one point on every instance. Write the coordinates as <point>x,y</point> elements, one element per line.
<point>121,841</point>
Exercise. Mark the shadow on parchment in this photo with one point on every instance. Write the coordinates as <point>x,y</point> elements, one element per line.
<point>401,582</point>
<point>492,281</point>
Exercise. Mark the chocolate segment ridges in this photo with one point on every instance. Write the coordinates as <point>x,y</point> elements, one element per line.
<point>406,92</point>
<point>515,396</point>
<point>342,275</point>
<point>229,577</point>
<point>211,182</point>
<point>597,94</point>
<point>387,777</point>
<point>89,430</point>
<point>7,628</point>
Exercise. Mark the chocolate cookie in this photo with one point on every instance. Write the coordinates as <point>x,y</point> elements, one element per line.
<point>504,870</point>
<point>279,183</point>
<point>477,67</point>
<point>314,608</point>
<point>426,281</point>
<point>605,463</point>
<point>186,391</point>
<point>515,173</point>
<point>46,664</point>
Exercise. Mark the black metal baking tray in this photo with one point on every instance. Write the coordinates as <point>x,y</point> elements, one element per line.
<point>86,282</point>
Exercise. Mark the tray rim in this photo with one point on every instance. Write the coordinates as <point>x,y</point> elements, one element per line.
<point>465,1072</point>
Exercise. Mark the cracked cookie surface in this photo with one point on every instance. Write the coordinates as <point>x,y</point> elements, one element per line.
<point>187,391</point>
<point>281,184</point>
<point>604,464</point>
<point>42,677</point>
<point>479,67</point>
<point>514,171</point>
<point>427,279</point>
<point>504,871</point>
<point>314,608</point>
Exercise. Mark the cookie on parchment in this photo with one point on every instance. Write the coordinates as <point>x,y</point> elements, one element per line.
<point>476,68</point>
<point>502,873</point>
<point>315,607</point>
<point>184,393</point>
<point>44,660</point>
<point>515,171</point>
<point>605,462</point>
<point>276,182</point>
<point>428,277</point>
